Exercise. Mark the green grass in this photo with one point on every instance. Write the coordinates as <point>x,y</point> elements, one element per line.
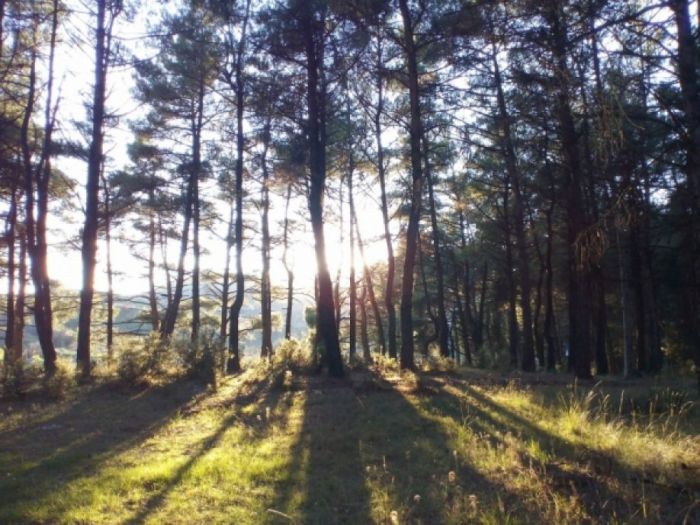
<point>449,447</point>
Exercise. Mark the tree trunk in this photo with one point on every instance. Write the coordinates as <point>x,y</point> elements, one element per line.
<point>89,247</point>
<point>579,343</point>
<point>442,325</point>
<point>353,284</point>
<point>36,229</point>
<point>288,269</point>
<point>168,326</point>
<point>416,132</point>
<point>513,332</point>
<point>265,287</point>
<point>316,134</point>
<point>110,288</point>
<point>690,90</point>
<point>369,287</point>
<point>364,332</point>
<point>233,363</point>
<point>381,170</point>
<point>10,235</point>
<point>223,322</point>
<point>528,352</point>
<point>152,297</point>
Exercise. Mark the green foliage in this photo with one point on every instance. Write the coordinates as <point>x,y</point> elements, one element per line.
<point>294,355</point>
<point>138,362</point>
<point>12,378</point>
<point>55,386</point>
<point>202,359</point>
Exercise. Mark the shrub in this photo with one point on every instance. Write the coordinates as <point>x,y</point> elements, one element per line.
<point>138,361</point>
<point>202,359</point>
<point>294,355</point>
<point>56,385</point>
<point>12,378</point>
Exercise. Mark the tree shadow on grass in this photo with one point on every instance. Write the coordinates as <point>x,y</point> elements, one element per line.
<point>262,394</point>
<point>72,444</point>
<point>364,452</point>
<point>594,476</point>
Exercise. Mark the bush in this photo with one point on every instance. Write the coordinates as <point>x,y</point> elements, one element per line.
<point>56,385</point>
<point>202,359</point>
<point>139,361</point>
<point>294,356</point>
<point>12,378</point>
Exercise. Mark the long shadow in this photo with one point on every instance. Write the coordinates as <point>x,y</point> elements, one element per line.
<point>364,452</point>
<point>74,442</point>
<point>260,394</point>
<point>324,482</point>
<point>591,482</point>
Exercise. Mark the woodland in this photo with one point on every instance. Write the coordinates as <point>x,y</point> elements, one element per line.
<point>350,261</point>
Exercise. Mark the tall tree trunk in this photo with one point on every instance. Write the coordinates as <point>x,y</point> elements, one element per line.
<point>313,31</point>
<point>549,321</point>
<point>36,228</point>
<point>465,309</point>
<point>197,125</point>
<point>95,160</point>
<point>442,325</point>
<point>369,286</point>
<point>364,331</point>
<point>479,328</point>
<point>579,342</point>
<point>690,90</point>
<point>528,352</point>
<point>381,170</point>
<point>10,235</point>
<point>513,332</point>
<point>163,241</point>
<point>168,325</point>
<point>233,363</point>
<point>152,297</point>
<point>196,251</point>
<point>288,268</point>
<point>18,335</point>
<point>265,287</point>
<point>225,292</point>
<point>352,329</point>
<point>110,274</point>
<point>341,227</point>
<point>416,131</point>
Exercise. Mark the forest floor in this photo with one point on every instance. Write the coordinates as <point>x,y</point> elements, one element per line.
<point>274,447</point>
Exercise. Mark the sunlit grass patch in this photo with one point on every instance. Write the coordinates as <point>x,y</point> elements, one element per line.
<point>382,447</point>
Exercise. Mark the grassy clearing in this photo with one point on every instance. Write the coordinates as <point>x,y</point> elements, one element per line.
<point>269,447</point>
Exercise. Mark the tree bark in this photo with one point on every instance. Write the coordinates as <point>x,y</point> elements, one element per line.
<point>442,326</point>
<point>369,287</point>
<point>579,342</point>
<point>36,227</point>
<point>406,359</point>
<point>265,286</point>
<point>381,171</point>
<point>95,159</point>
<point>352,329</point>
<point>233,363</point>
<point>287,267</point>
<point>528,352</point>
<point>313,30</point>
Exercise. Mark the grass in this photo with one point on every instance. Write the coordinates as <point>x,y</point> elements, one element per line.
<point>427,448</point>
